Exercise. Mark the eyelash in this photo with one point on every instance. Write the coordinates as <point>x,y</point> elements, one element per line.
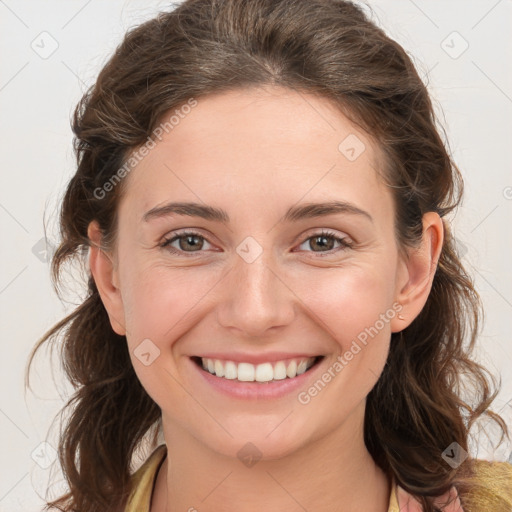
<point>327,234</point>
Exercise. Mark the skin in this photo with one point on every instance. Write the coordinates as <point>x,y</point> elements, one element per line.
<point>256,152</point>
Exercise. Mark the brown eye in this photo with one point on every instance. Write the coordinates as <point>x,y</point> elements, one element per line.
<point>188,242</point>
<point>325,242</point>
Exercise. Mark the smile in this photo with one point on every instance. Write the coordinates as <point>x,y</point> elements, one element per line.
<point>263,372</point>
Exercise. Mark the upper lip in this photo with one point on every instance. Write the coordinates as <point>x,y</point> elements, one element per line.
<point>271,357</point>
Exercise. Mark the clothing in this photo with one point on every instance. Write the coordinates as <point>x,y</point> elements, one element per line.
<point>496,479</point>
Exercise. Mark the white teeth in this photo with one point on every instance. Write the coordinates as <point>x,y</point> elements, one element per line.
<point>301,367</point>
<point>291,371</point>
<point>219,369</point>
<point>246,372</point>
<point>264,372</point>
<point>231,371</point>
<point>280,371</point>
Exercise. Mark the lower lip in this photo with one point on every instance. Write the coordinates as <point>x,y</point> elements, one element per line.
<point>257,390</point>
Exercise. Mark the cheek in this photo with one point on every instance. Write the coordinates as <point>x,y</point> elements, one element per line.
<point>161,302</point>
<point>161,306</point>
<point>348,301</point>
<point>355,306</point>
<point>356,309</point>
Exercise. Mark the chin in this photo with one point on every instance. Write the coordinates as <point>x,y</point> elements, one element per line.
<point>259,441</point>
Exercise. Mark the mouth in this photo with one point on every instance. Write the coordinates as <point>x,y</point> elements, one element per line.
<point>263,373</point>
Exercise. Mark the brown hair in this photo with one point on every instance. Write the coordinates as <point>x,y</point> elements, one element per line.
<point>325,47</point>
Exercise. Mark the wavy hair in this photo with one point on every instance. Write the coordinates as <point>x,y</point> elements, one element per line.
<point>431,392</point>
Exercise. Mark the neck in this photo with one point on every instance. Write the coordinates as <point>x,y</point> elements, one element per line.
<point>335,473</point>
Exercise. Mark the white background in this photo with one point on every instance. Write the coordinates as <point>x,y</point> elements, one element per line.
<point>473,97</point>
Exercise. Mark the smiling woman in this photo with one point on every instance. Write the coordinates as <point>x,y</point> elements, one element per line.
<point>273,283</point>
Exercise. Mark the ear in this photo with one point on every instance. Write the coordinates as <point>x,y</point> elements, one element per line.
<point>105,276</point>
<point>420,267</point>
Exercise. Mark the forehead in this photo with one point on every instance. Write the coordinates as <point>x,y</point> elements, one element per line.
<point>255,146</point>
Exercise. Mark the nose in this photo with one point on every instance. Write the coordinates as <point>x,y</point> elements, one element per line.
<point>255,298</point>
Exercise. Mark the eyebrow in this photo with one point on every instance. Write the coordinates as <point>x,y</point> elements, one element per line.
<point>294,213</point>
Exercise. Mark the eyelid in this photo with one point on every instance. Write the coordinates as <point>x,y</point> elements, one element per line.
<point>186,231</point>
<point>323,231</point>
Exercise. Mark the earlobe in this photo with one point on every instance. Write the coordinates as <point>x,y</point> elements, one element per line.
<point>421,266</point>
<point>105,277</point>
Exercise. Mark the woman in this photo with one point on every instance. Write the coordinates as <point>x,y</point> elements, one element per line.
<point>273,281</point>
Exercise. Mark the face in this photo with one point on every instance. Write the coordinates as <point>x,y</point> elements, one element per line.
<point>266,280</point>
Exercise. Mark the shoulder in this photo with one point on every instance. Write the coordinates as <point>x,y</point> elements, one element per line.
<point>484,468</point>
<point>488,489</point>
<point>143,480</point>
<point>492,487</point>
